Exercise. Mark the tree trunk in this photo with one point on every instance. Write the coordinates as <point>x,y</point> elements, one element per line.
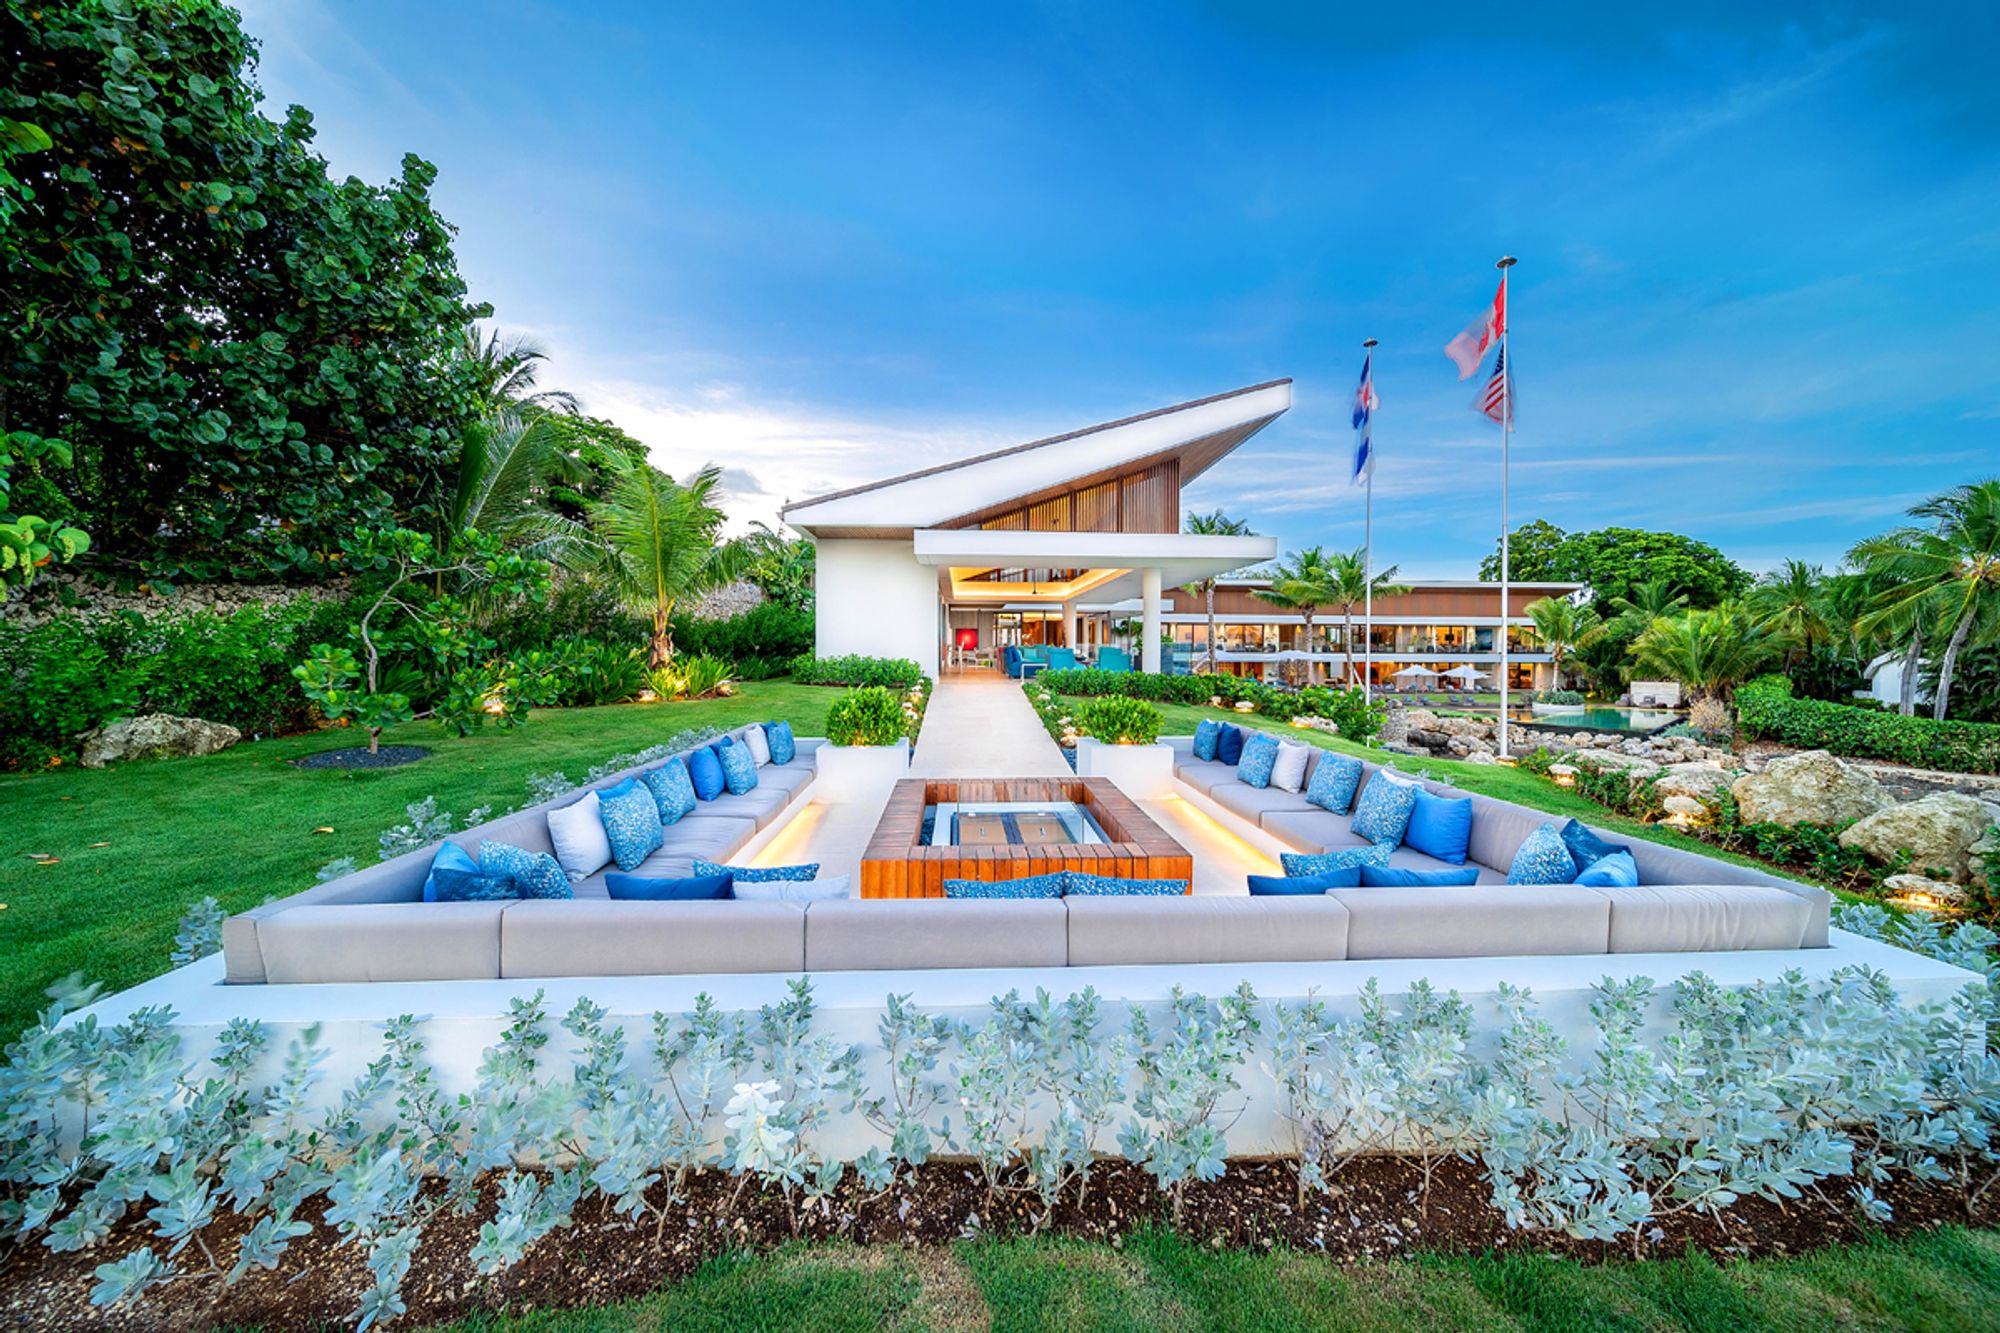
<point>1950,663</point>
<point>1347,644</point>
<point>1907,706</point>
<point>1312,667</point>
<point>662,646</point>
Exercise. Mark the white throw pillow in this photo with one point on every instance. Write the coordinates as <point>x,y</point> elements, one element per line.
<point>1289,772</point>
<point>760,746</point>
<point>796,890</point>
<point>577,830</point>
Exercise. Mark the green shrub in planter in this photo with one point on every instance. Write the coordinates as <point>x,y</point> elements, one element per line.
<point>1567,698</point>
<point>895,673</point>
<point>1119,721</point>
<point>867,716</point>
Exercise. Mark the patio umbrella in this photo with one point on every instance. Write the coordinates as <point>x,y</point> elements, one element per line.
<point>1468,674</point>
<point>1415,671</point>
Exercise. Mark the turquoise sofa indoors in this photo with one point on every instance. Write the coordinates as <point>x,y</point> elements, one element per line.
<point>1026,661</point>
<point>1113,659</point>
<point>1062,659</point>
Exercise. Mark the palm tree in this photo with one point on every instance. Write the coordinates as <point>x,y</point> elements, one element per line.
<point>1349,587</point>
<point>503,463</point>
<point>1563,627</point>
<point>1709,651</point>
<point>1792,601</point>
<point>1632,616</point>
<point>1945,577</point>
<point>1302,583</point>
<point>665,540</point>
<point>1216,524</point>
<point>507,368</point>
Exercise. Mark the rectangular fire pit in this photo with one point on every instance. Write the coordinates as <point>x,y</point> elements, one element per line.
<point>1010,828</point>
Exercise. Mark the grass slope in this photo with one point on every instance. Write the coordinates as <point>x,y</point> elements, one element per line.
<point>240,825</point>
<point>1943,1280</point>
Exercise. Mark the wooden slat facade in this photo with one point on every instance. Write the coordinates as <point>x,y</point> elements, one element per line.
<point>1146,500</point>
<point>896,865</point>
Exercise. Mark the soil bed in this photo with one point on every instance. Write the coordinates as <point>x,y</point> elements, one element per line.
<point>1375,1212</point>
<point>357,756</point>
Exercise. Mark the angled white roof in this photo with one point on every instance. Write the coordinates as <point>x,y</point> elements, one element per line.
<point>1199,433</point>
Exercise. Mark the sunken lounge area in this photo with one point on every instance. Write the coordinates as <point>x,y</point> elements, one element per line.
<point>1012,828</point>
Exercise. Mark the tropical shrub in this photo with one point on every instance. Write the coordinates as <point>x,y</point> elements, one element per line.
<point>583,673</point>
<point>762,641</point>
<point>1710,720</point>
<point>1565,698</point>
<point>892,673</point>
<point>870,715</point>
<point>691,678</point>
<point>1119,721</point>
<point>1767,710</point>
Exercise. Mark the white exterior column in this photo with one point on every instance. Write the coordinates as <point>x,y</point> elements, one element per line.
<point>1149,647</point>
<point>1069,627</point>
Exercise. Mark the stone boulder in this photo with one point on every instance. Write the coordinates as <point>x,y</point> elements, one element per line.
<point>1938,831</point>
<point>1809,788</point>
<point>156,736</point>
<point>1921,887</point>
<point>1697,781</point>
<point>1395,725</point>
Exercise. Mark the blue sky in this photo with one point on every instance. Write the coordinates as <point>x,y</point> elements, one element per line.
<point>1758,298</point>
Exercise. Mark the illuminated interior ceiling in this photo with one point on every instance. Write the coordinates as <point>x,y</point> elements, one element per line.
<point>996,584</point>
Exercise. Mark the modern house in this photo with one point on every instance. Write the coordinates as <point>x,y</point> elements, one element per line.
<point>1013,546</point>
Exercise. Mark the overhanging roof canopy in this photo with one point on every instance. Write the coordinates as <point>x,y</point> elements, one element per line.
<point>1197,434</point>
<point>1105,565</point>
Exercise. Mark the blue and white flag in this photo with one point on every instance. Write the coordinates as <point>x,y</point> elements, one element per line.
<point>1365,403</point>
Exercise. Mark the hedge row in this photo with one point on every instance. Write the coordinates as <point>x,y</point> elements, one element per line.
<point>1767,710</point>
<point>894,673</point>
<point>1357,719</point>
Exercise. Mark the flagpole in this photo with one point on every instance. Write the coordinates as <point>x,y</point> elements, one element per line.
<point>1506,438</point>
<point>1368,550</point>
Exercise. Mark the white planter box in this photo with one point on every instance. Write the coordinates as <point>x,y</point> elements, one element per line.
<point>859,772</point>
<point>1559,708</point>
<point>1142,772</point>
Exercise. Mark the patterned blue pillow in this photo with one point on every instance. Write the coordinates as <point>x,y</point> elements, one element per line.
<point>1260,756</point>
<point>758,874</point>
<point>1082,884</point>
<point>672,788</point>
<point>1543,859</point>
<point>469,886</point>
<point>1205,737</point>
<point>778,735</point>
<point>538,874</point>
<point>631,823</point>
<point>1334,783</point>
<point>1034,886</point>
<point>1383,812</point>
<point>739,766</point>
<point>1319,863</point>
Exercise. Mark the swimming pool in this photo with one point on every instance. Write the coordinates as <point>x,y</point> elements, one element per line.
<point>1601,717</point>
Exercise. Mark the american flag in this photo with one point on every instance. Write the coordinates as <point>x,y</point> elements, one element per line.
<point>1498,400</point>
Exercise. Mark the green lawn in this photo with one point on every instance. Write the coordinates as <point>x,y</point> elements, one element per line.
<point>1944,1280</point>
<point>240,825</point>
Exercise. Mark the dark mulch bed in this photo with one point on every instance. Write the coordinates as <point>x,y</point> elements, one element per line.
<point>1376,1212</point>
<point>357,756</point>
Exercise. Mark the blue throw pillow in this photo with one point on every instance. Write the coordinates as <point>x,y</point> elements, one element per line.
<point>539,874</point>
<point>1585,847</point>
<point>1033,886</point>
<point>469,886</point>
<point>758,874</point>
<point>778,735</point>
<point>1616,871</point>
<point>1229,743</point>
<point>644,889</point>
<point>739,766</point>
<point>1082,884</point>
<point>1383,812</point>
<point>1440,827</point>
<point>1318,863</point>
<point>1205,737</point>
<point>1298,886</point>
<point>705,771</point>
<point>1543,859</point>
<point>450,856</point>
<point>1334,783</point>
<point>1260,756</point>
<point>1396,877</point>
<point>672,788</point>
<point>631,823</point>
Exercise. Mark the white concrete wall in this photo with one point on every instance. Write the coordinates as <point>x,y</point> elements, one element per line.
<point>874,598</point>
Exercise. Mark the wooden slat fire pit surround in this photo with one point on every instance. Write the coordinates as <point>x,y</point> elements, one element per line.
<point>897,865</point>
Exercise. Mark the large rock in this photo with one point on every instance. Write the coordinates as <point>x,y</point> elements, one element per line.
<point>1697,780</point>
<point>1809,788</point>
<point>1395,725</point>
<point>156,736</point>
<point>1919,888</point>
<point>1938,831</point>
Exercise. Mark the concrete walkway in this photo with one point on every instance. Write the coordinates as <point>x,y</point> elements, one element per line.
<point>981,726</point>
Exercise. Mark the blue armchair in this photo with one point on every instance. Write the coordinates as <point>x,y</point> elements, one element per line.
<point>1061,659</point>
<point>1113,659</point>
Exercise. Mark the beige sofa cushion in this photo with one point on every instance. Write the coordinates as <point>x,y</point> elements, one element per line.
<point>1682,918</point>
<point>1479,921</point>
<point>382,942</point>
<point>1211,929</point>
<point>864,934</point>
<point>624,939</point>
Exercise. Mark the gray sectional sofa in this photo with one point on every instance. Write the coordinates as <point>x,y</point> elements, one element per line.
<point>1684,902</point>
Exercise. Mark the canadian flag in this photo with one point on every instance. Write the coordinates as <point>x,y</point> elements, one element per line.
<point>1469,348</point>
